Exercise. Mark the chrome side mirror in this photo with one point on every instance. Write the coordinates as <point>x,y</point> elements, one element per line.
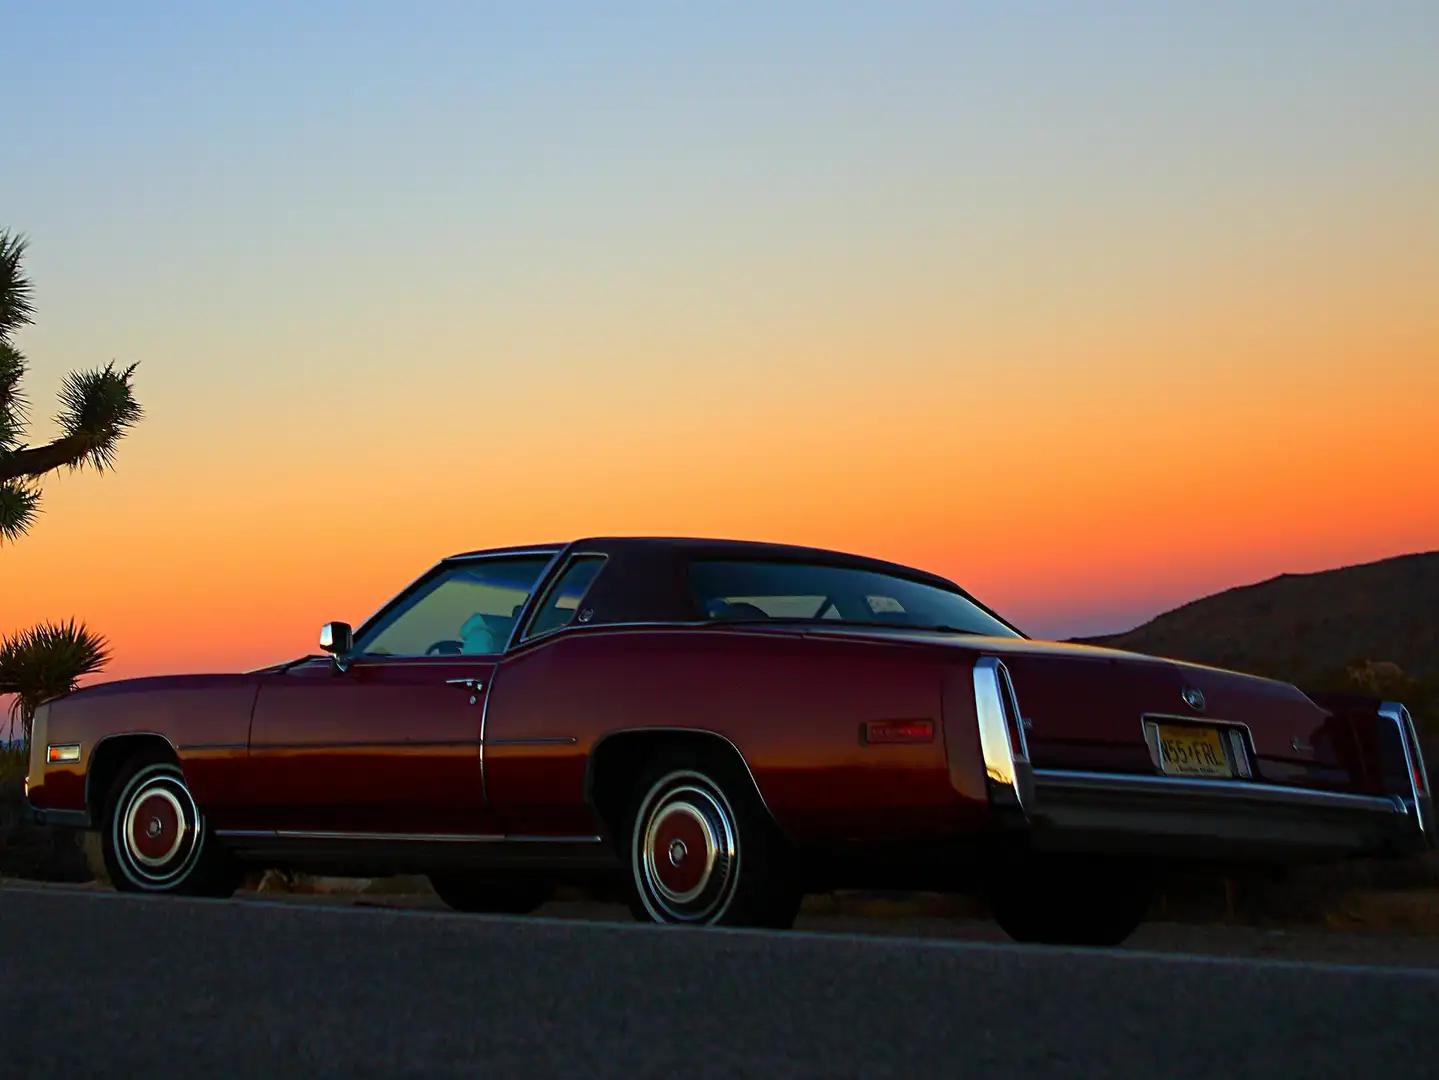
<point>336,638</point>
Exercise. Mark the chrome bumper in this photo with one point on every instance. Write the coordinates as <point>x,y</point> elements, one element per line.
<point>1183,818</point>
<point>68,819</point>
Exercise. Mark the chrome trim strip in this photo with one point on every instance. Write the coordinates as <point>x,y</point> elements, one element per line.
<point>1001,763</point>
<point>526,838</point>
<point>780,626</point>
<point>1219,790</point>
<point>501,553</point>
<point>378,744</point>
<point>1395,711</point>
<point>308,834</point>
<point>212,746</point>
<point>428,838</point>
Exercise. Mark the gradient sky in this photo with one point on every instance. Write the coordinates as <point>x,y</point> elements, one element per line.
<point>1095,308</point>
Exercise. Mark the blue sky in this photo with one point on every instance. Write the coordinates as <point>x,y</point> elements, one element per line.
<point>808,271</point>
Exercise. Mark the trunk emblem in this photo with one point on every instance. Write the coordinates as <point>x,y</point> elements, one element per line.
<point>1193,697</point>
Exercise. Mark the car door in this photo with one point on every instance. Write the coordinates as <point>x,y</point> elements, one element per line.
<point>387,742</point>
<point>537,739</point>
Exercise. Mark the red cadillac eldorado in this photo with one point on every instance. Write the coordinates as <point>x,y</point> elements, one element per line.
<point>718,727</point>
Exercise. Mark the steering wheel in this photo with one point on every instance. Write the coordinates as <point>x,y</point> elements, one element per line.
<point>446,648</point>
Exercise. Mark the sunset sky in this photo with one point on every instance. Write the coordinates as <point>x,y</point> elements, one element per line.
<point>1095,308</point>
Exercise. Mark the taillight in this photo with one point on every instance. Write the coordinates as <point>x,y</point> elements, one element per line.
<point>1409,740</point>
<point>1416,754</point>
<point>1013,718</point>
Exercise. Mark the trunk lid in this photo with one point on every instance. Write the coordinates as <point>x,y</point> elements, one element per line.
<point>1086,709</point>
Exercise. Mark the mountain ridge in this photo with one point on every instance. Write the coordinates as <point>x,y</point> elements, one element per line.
<point>1367,627</point>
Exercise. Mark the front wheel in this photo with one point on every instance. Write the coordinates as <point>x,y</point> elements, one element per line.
<point>155,839</point>
<point>703,850</point>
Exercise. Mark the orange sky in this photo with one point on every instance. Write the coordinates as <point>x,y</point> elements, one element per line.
<point>1093,336</point>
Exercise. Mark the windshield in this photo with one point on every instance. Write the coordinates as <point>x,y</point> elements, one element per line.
<point>735,591</point>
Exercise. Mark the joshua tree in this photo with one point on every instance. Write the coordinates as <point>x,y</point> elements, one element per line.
<point>97,408</point>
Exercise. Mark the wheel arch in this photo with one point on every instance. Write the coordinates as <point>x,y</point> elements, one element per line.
<point>617,758</point>
<point>109,757</point>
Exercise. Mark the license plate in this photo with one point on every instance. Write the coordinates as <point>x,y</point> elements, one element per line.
<point>1192,751</point>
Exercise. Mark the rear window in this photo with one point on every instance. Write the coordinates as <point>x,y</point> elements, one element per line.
<point>739,591</point>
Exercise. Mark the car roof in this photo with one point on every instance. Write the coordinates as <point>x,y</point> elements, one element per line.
<point>713,547</point>
<point>643,582</point>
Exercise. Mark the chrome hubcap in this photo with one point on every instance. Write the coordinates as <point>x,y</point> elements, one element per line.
<point>686,850</point>
<point>157,829</point>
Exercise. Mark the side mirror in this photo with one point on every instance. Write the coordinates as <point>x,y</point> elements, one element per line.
<point>336,638</point>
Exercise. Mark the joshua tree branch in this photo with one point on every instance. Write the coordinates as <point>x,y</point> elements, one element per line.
<point>97,409</point>
<point>39,460</point>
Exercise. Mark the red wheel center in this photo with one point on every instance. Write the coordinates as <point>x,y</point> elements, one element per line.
<point>155,828</point>
<point>681,852</point>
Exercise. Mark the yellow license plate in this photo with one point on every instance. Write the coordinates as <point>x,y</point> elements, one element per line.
<point>1192,751</point>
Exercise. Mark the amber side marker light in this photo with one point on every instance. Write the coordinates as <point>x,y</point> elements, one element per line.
<point>897,731</point>
<point>59,755</point>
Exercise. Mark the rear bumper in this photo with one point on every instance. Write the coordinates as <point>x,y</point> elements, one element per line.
<point>1186,819</point>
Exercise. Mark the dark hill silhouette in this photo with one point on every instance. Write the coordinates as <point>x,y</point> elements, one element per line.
<point>1372,627</point>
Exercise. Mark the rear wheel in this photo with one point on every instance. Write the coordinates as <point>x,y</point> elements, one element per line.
<point>702,849</point>
<point>155,839</point>
<point>480,894</point>
<point>1069,900</point>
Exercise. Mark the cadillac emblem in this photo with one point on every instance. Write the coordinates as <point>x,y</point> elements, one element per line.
<point>1193,697</point>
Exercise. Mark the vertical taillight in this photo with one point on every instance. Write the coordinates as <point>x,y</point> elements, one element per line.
<point>1416,753</point>
<point>1013,719</point>
<point>1409,740</point>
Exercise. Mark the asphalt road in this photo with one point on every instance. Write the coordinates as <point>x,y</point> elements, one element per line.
<point>97,984</point>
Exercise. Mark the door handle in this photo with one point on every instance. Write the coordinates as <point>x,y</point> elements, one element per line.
<point>472,685</point>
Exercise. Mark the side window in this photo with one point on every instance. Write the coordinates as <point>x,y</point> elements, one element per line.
<point>562,602</point>
<point>469,608</point>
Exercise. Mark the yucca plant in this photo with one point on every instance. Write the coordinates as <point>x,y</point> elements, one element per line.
<point>43,662</point>
<point>97,409</point>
